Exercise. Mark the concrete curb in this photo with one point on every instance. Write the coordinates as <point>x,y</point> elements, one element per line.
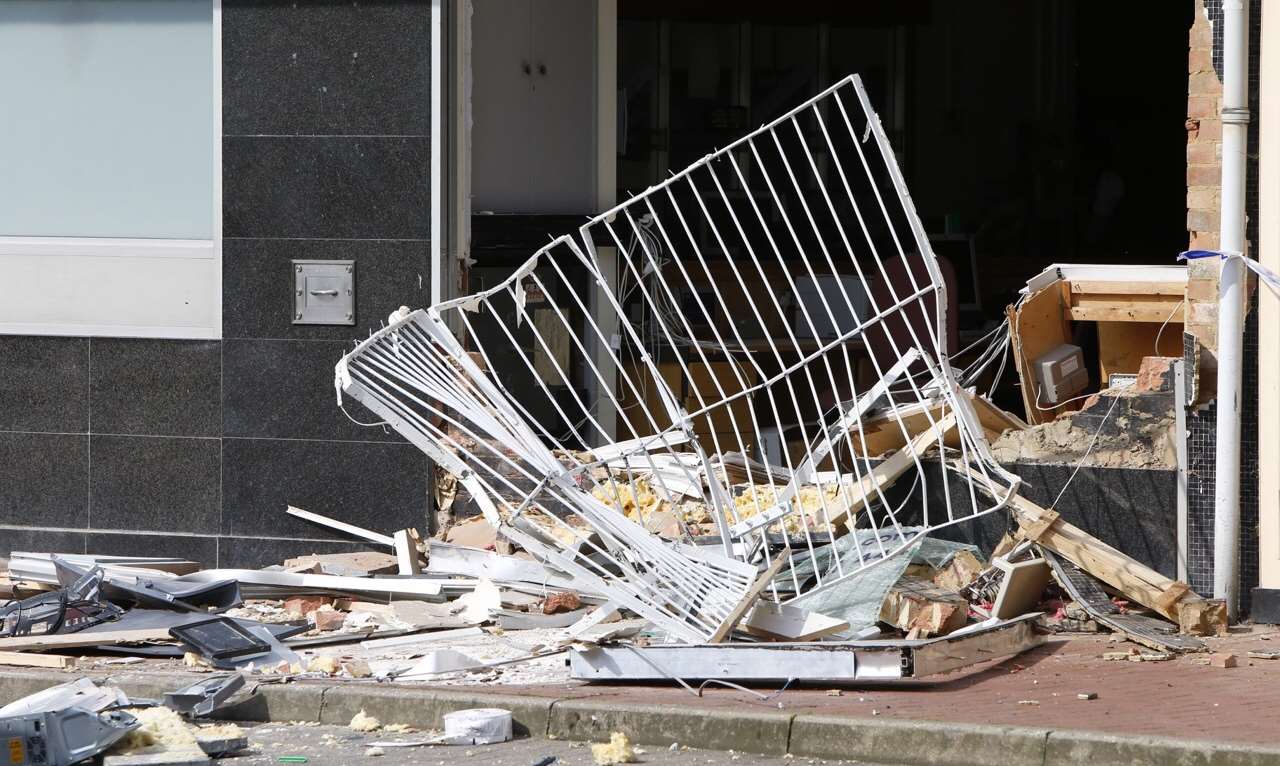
<point>880,740</point>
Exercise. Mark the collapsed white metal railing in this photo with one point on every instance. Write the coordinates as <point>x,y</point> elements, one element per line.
<point>777,318</point>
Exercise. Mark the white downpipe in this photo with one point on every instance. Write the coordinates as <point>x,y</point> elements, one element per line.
<point>1235,126</point>
<point>438,248</point>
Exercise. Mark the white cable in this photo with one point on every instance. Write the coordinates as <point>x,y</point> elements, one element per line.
<point>382,423</point>
<point>1064,401</point>
<point>1166,322</point>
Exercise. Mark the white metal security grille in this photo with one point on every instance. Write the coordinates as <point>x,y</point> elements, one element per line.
<point>777,316</point>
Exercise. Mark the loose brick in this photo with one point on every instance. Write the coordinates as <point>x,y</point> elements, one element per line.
<point>305,605</point>
<point>326,619</point>
<point>1223,660</point>
<point>561,602</point>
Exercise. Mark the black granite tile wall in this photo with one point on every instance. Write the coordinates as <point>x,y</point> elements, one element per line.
<point>1131,509</point>
<point>326,68</point>
<point>327,187</point>
<point>44,480</point>
<point>156,387</point>
<point>326,155</point>
<point>284,389</point>
<point>155,483</point>
<point>46,384</point>
<point>249,552</point>
<point>40,541</point>
<point>378,486</point>
<point>257,285</point>
<point>191,547</point>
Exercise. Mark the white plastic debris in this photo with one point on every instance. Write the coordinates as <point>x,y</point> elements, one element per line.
<point>478,726</point>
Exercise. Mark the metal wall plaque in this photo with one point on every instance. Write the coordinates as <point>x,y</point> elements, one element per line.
<point>324,292</point>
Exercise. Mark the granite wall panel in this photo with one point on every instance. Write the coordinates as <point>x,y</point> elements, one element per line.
<point>156,387</point>
<point>327,187</point>
<point>46,384</point>
<point>378,486</point>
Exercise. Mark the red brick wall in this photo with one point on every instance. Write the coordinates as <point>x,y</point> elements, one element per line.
<point>1204,136</point>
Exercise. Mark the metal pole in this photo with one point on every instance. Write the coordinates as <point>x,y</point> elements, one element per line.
<point>1235,125</point>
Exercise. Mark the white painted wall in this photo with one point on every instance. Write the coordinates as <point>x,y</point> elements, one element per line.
<point>1268,304</point>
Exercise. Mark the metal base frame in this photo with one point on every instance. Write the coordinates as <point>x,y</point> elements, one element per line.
<point>815,661</point>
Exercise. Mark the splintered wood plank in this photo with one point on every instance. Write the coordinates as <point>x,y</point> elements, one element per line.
<point>881,434</point>
<point>916,604</point>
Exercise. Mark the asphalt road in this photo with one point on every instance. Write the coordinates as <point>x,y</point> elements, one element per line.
<point>340,746</point>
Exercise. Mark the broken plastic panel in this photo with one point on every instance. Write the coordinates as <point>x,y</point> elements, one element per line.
<point>153,592</point>
<point>75,607</point>
<point>82,693</point>
<point>203,697</point>
<point>707,375</point>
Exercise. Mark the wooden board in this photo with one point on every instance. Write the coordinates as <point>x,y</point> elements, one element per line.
<point>55,661</point>
<point>883,434</point>
<point>1122,345</point>
<point>1088,593</point>
<point>941,656</point>
<point>1040,325</point>
<point>81,640</point>
<point>1128,310</point>
<point>1086,286</point>
<point>883,475</point>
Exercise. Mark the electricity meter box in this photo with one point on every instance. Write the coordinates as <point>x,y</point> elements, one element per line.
<point>1060,374</point>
